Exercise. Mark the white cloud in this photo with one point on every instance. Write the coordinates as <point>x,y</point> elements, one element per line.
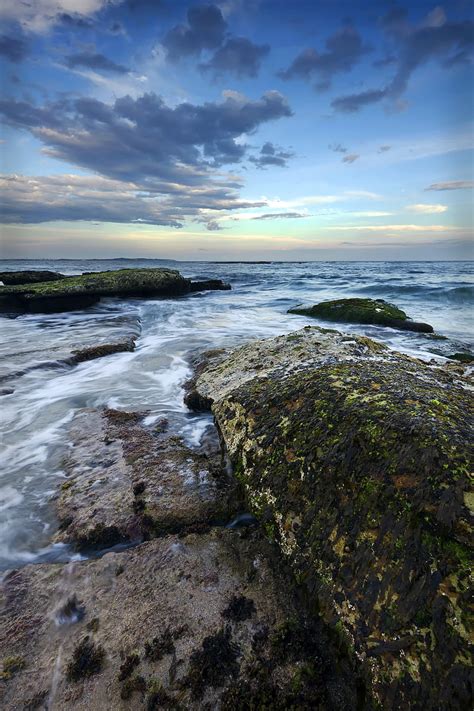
<point>426,209</point>
<point>397,228</point>
<point>39,15</point>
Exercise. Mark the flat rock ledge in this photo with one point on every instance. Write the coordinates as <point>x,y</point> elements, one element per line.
<point>126,482</point>
<point>78,292</point>
<point>200,621</point>
<point>356,460</point>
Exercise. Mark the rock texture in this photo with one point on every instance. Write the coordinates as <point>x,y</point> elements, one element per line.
<point>82,291</point>
<point>365,311</point>
<point>127,482</point>
<point>356,460</point>
<point>190,622</point>
<point>29,277</point>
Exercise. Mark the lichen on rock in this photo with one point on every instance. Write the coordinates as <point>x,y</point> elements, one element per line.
<point>356,460</point>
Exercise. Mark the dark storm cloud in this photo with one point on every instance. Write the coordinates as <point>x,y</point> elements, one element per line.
<point>166,156</point>
<point>94,60</point>
<point>205,29</point>
<point>270,156</point>
<point>13,49</point>
<point>238,56</point>
<point>281,215</point>
<point>343,50</point>
<point>448,43</point>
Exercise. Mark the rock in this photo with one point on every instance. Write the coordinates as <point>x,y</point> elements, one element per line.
<point>29,277</point>
<point>210,284</point>
<point>356,461</point>
<point>201,621</point>
<point>365,311</point>
<point>127,482</point>
<point>82,291</point>
<point>102,350</point>
<point>462,357</point>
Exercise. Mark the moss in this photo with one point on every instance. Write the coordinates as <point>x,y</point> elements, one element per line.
<point>463,357</point>
<point>365,311</point>
<point>156,648</point>
<point>87,660</point>
<point>213,664</point>
<point>11,666</point>
<point>159,698</point>
<point>132,685</point>
<point>128,666</point>
<point>240,608</point>
<point>370,508</point>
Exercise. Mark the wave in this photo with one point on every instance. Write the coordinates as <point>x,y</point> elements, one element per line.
<point>450,295</point>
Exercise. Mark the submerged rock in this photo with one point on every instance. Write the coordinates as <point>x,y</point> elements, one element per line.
<point>29,277</point>
<point>365,311</point>
<point>356,460</point>
<point>127,482</point>
<point>82,291</point>
<point>200,621</point>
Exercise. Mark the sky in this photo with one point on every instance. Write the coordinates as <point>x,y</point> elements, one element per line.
<point>239,129</point>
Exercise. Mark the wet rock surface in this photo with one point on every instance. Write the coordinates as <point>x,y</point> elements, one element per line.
<point>82,291</point>
<point>365,311</point>
<point>29,277</point>
<point>127,482</point>
<point>190,622</point>
<point>356,461</point>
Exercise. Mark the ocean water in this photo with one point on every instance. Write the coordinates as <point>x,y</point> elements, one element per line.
<point>47,393</point>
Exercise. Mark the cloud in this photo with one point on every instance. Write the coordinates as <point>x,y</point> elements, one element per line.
<point>33,199</point>
<point>168,156</point>
<point>384,149</point>
<point>143,138</point>
<point>337,148</point>
<point>351,158</point>
<point>270,155</point>
<point>238,56</point>
<point>449,43</point>
<point>452,185</point>
<point>205,29</point>
<point>74,21</point>
<point>343,51</point>
<point>40,15</point>
<point>397,228</point>
<point>13,48</point>
<point>425,209</point>
<point>96,61</point>
<point>354,102</point>
<point>280,215</point>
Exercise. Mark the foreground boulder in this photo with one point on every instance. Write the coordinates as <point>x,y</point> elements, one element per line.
<point>190,622</point>
<point>365,311</point>
<point>356,459</point>
<point>87,289</point>
<point>29,277</point>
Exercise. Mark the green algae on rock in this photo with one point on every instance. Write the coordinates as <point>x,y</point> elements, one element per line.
<point>85,290</point>
<point>356,460</point>
<point>365,311</point>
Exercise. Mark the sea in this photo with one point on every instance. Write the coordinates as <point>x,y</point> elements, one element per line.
<point>41,394</point>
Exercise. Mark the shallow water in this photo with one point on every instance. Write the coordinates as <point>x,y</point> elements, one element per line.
<point>34,419</point>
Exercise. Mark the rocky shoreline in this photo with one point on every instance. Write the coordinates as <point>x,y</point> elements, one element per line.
<point>313,552</point>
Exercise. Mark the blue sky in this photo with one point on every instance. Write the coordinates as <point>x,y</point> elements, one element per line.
<point>256,129</point>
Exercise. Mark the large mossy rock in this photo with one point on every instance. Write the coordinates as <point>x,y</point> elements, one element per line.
<point>356,459</point>
<point>365,311</point>
<point>86,289</point>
